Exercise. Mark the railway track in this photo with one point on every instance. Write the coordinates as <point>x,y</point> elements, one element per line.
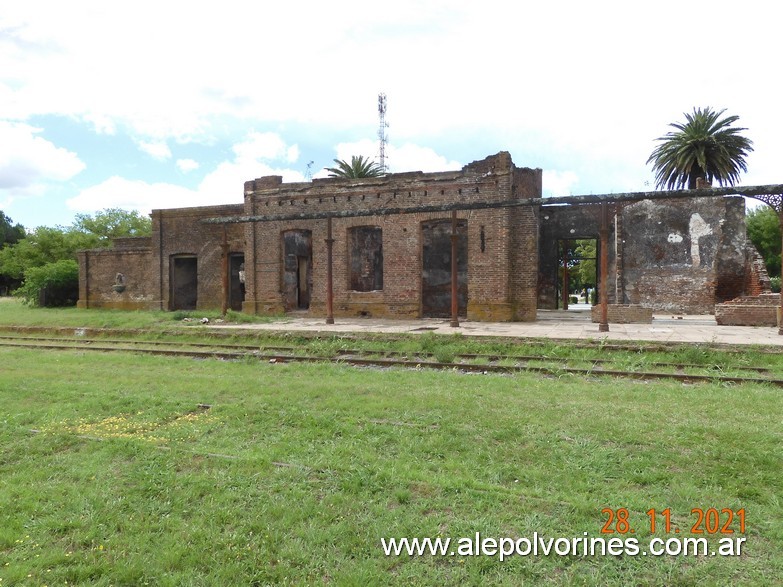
<point>465,362</point>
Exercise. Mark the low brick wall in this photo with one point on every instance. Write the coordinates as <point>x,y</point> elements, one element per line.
<point>623,314</point>
<point>749,311</point>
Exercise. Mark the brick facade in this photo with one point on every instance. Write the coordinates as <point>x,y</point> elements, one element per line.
<point>500,276</point>
<point>761,310</point>
<point>674,255</point>
<point>679,255</point>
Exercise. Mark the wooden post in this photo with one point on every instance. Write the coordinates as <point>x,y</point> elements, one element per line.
<point>329,290</point>
<point>603,233</point>
<point>454,285</point>
<point>224,249</point>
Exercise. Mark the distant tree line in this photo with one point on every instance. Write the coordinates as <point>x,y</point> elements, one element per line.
<point>45,258</point>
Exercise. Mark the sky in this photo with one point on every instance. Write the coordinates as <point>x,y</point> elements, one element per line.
<point>158,104</point>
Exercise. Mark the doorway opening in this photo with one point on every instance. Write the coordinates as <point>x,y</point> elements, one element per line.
<point>236,282</point>
<point>577,273</point>
<point>436,268</point>
<point>183,282</point>
<point>297,269</point>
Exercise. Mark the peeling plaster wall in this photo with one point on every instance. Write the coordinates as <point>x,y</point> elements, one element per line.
<point>683,255</point>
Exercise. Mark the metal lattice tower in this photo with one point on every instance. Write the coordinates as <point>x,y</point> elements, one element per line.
<point>382,126</point>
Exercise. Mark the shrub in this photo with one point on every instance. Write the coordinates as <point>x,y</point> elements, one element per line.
<point>775,284</point>
<point>53,284</point>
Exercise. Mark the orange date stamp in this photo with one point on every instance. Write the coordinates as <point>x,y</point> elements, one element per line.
<point>702,521</point>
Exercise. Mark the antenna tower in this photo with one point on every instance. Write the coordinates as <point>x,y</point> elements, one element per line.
<point>382,126</point>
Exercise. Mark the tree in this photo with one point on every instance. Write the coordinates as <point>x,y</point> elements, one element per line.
<point>9,233</point>
<point>706,146</point>
<point>358,167</point>
<point>764,232</point>
<point>46,246</point>
<point>112,223</point>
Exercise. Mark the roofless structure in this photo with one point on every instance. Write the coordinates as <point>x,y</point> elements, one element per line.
<point>479,243</point>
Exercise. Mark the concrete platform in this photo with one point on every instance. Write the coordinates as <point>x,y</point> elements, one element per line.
<point>552,324</point>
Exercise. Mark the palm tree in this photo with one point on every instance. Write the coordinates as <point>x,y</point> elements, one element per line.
<point>705,146</point>
<point>358,167</point>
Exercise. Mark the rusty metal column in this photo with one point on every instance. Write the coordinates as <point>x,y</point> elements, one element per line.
<point>565,274</point>
<point>224,249</point>
<point>454,286</point>
<point>329,290</point>
<point>603,233</point>
<point>780,313</point>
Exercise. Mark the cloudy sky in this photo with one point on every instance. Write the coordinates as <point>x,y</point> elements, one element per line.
<point>155,104</point>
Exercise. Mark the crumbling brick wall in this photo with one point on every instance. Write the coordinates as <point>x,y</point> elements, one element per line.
<point>145,262</point>
<point>180,231</point>
<point>683,255</point>
<point>501,283</point>
<point>121,277</point>
<point>756,276</point>
<point>760,310</point>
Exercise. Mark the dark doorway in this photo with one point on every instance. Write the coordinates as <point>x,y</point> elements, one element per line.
<point>236,282</point>
<point>436,268</point>
<point>297,269</point>
<point>184,282</point>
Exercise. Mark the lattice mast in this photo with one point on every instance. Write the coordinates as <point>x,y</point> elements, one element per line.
<point>382,126</point>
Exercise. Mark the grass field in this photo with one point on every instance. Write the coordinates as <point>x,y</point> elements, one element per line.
<point>114,471</point>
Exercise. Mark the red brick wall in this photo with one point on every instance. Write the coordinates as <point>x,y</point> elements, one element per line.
<point>98,271</point>
<point>495,274</point>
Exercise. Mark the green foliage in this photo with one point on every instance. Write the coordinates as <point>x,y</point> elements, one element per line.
<point>53,284</point>
<point>51,244</point>
<point>43,245</point>
<point>358,167</point>
<point>775,284</point>
<point>112,223</point>
<point>10,233</point>
<point>586,251</point>
<point>764,232</point>
<point>704,146</point>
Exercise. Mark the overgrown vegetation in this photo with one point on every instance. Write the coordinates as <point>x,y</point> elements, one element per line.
<point>764,232</point>
<point>44,246</point>
<point>51,285</point>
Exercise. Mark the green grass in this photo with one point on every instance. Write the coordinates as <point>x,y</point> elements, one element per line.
<point>110,473</point>
<point>14,313</point>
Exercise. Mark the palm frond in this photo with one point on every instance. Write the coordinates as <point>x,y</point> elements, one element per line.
<point>705,145</point>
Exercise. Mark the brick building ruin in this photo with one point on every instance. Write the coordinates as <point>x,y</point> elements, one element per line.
<point>382,247</point>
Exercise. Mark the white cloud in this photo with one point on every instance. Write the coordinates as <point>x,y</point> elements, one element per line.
<point>262,146</point>
<point>118,192</point>
<point>156,149</point>
<point>580,92</point>
<point>558,183</point>
<point>187,165</point>
<point>224,185</point>
<point>28,162</point>
<point>408,157</point>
